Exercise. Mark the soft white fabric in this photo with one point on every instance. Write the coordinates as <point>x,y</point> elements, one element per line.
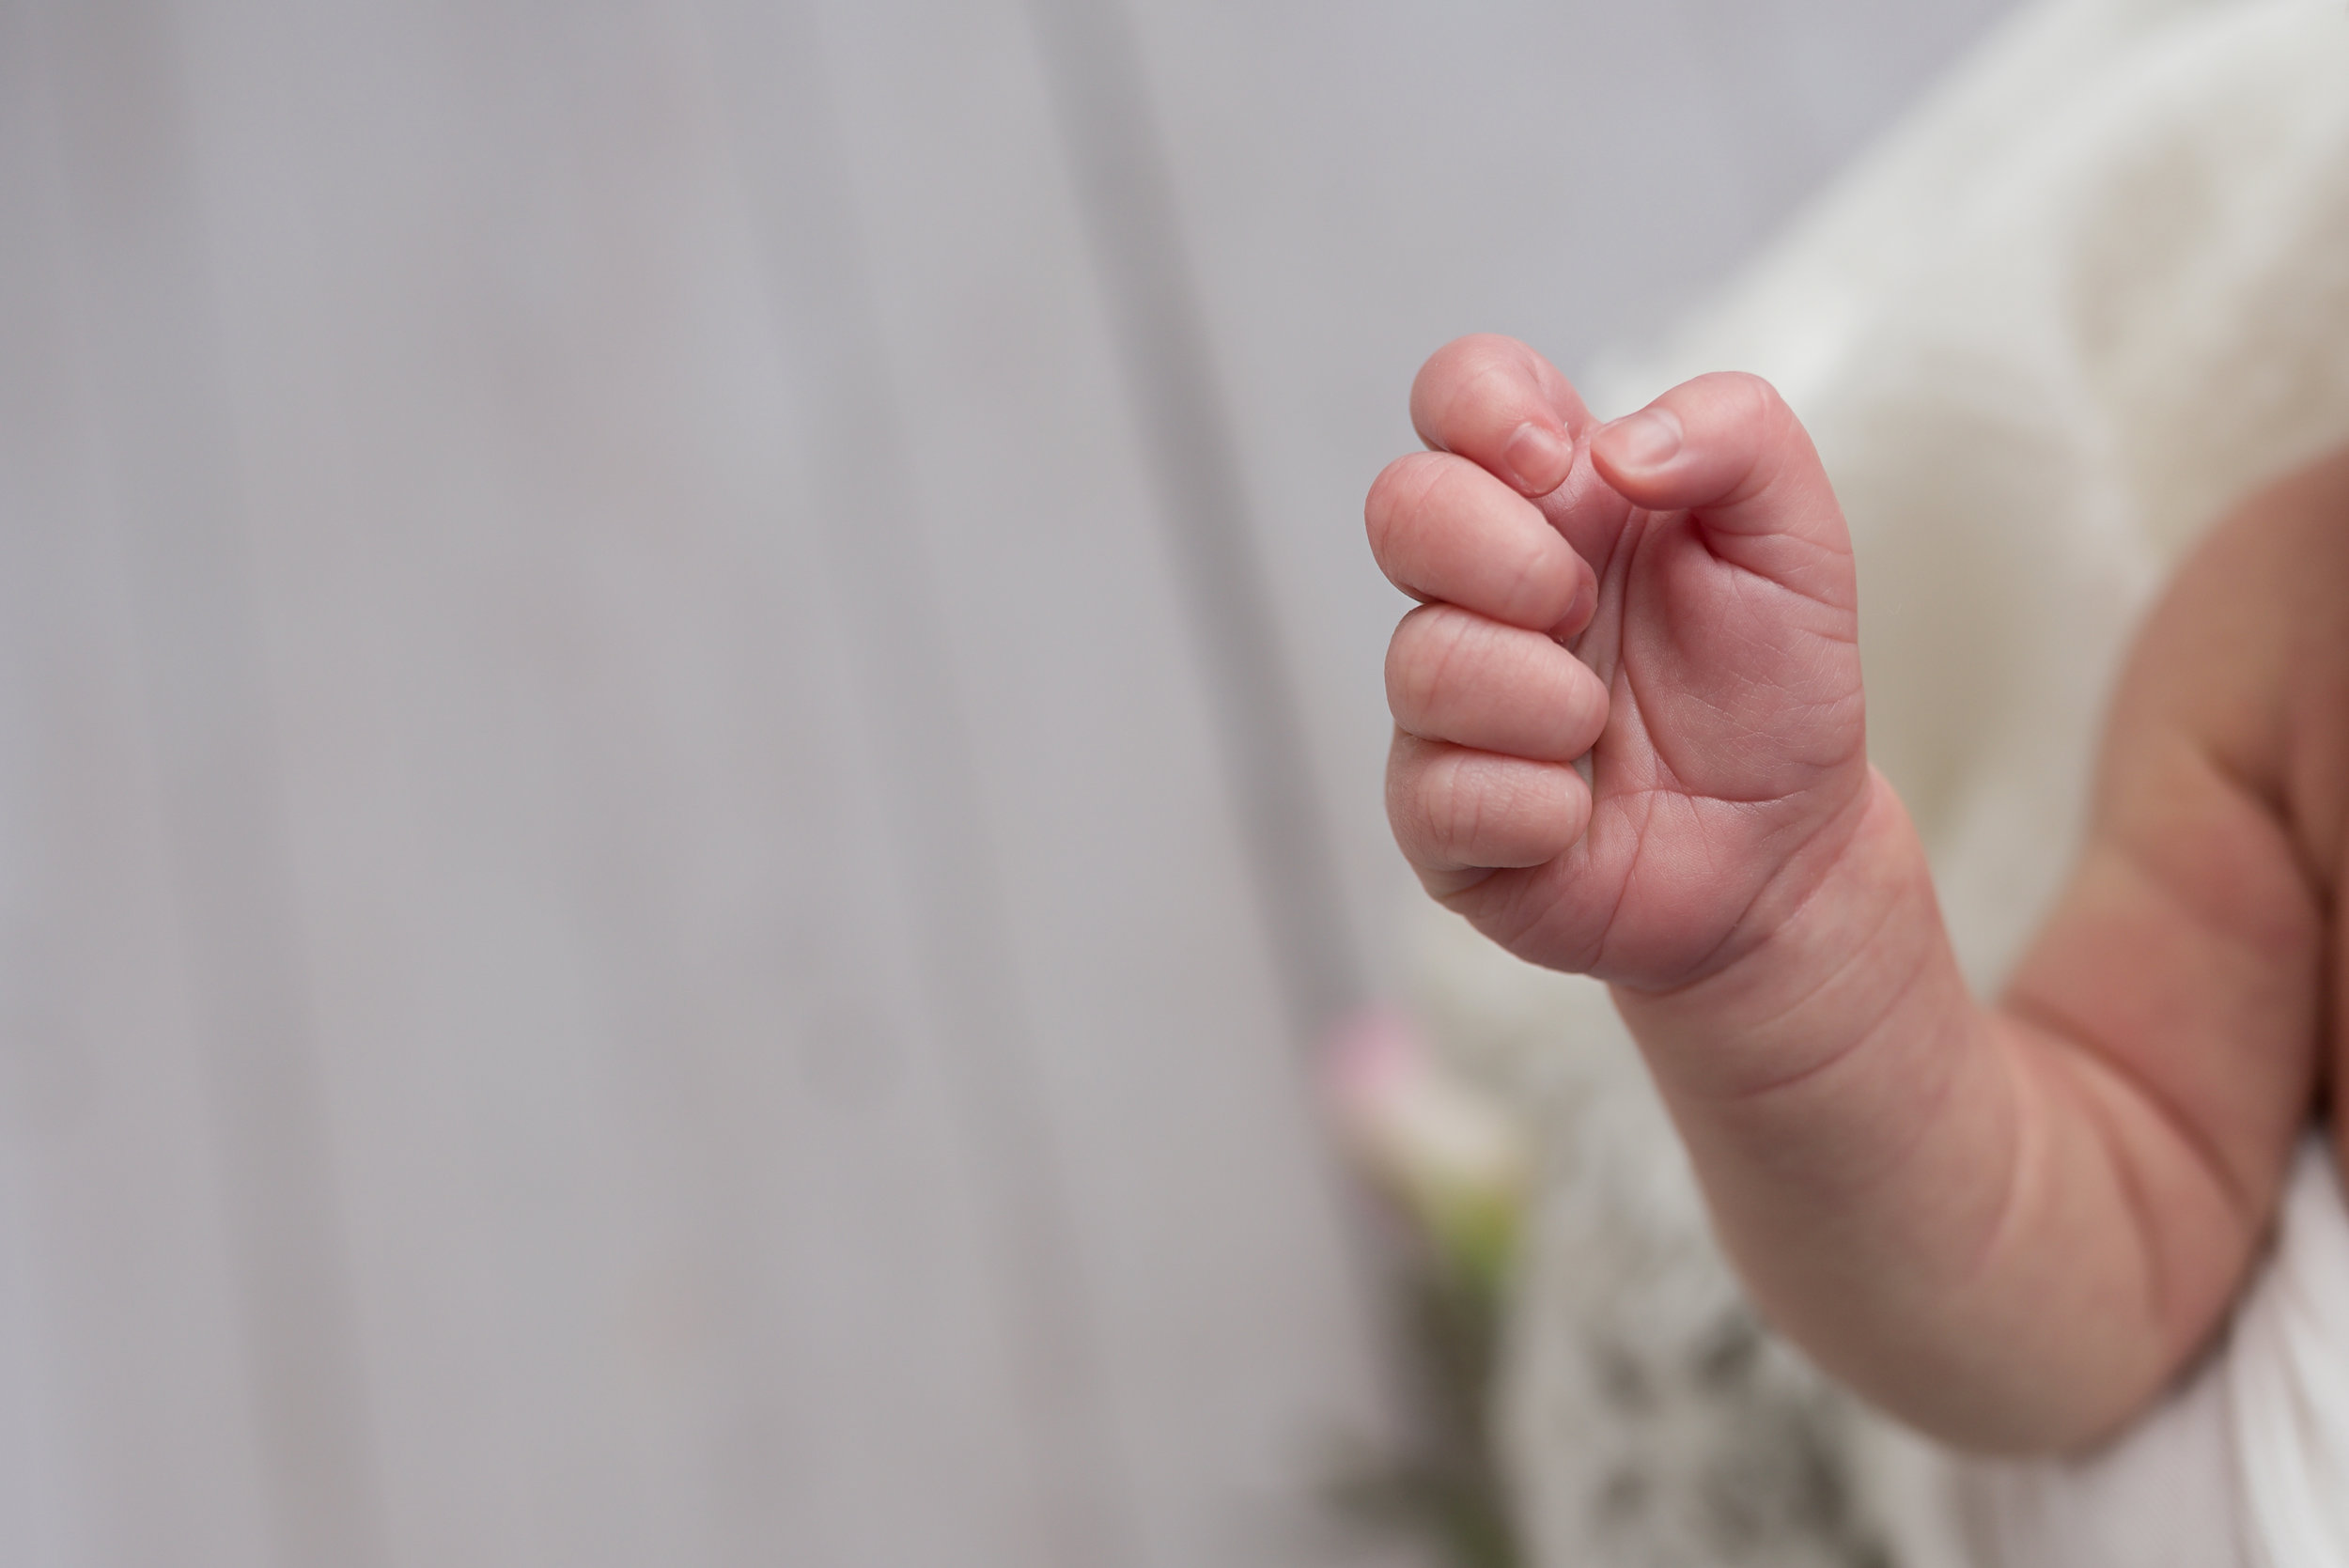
<point>2247,1465</point>
<point>2093,292</point>
<point>2288,1379</point>
<point>2168,1495</point>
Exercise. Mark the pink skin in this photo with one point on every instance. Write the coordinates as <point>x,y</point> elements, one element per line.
<point>1715,668</point>
<point>2010,1226</point>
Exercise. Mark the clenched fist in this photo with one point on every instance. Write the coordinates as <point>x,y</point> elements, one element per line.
<point>1670,597</point>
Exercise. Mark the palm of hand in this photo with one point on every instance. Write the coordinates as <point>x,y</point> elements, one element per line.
<point>1734,735</point>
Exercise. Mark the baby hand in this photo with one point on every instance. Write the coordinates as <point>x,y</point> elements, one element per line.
<point>1670,595</point>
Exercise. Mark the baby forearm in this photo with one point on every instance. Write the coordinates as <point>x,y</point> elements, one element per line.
<point>1984,1229</point>
<point>1632,743</point>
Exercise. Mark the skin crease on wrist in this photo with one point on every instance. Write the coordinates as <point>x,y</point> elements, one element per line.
<point>2010,1226</point>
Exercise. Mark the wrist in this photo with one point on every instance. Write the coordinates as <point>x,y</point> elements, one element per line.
<point>1844,939</point>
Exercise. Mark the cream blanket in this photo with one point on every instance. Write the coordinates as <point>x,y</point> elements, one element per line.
<point>2094,291</point>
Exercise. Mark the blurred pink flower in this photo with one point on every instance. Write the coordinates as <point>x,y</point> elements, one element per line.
<point>1448,1152</point>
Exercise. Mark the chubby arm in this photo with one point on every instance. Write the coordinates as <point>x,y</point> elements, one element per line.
<point>2011,1225</point>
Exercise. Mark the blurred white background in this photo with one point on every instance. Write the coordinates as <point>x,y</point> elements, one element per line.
<point>690,733</point>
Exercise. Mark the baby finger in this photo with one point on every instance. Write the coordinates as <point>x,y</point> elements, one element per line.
<point>1457,676</point>
<point>1458,814</point>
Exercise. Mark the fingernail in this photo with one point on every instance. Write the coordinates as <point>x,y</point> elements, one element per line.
<point>1539,457</point>
<point>1649,438</point>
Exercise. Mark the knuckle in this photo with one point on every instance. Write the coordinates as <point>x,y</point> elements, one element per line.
<point>1739,399</point>
<point>1463,383</point>
<point>1451,632</point>
<point>1421,788</point>
<point>1379,505</point>
<point>1743,392</point>
<point>1483,405</point>
<point>1469,354</point>
<point>1742,417</point>
<point>1452,809</point>
<point>1533,587</point>
<point>1425,676</point>
<point>1400,497</point>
